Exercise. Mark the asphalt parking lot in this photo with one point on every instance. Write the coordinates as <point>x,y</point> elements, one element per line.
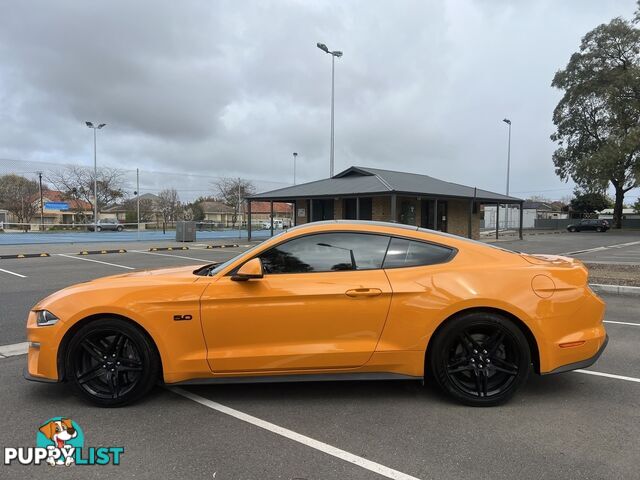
<point>611,246</point>
<point>575,425</point>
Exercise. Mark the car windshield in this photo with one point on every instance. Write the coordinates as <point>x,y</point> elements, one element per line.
<point>213,268</point>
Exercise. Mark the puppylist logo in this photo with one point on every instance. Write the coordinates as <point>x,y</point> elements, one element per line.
<point>60,441</point>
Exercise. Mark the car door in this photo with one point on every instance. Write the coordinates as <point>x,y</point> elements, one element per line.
<point>322,304</point>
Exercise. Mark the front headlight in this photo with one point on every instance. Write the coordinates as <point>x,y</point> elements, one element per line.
<point>45,318</point>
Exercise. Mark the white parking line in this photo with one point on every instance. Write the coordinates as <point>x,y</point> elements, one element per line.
<point>297,437</point>
<point>13,273</point>
<point>173,256</point>
<point>604,247</point>
<point>609,375</point>
<point>14,349</point>
<point>95,261</point>
<point>622,323</point>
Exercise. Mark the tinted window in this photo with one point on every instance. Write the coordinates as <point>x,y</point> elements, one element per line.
<point>326,252</point>
<point>407,253</point>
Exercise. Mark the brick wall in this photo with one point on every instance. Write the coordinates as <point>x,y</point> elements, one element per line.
<point>381,209</point>
<point>458,219</point>
<point>301,203</point>
<point>337,209</point>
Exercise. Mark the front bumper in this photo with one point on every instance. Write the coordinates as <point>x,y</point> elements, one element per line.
<point>581,364</point>
<point>27,376</point>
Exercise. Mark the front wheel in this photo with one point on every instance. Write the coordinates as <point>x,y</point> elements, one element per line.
<point>111,362</point>
<point>598,229</point>
<point>98,229</point>
<point>572,229</point>
<point>119,228</point>
<point>480,359</point>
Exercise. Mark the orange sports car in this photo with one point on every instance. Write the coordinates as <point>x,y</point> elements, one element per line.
<point>326,301</point>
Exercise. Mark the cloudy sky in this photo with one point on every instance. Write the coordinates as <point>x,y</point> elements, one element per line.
<point>233,88</point>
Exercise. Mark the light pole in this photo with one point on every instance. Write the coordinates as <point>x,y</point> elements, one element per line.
<point>295,156</point>
<point>334,54</point>
<point>508,122</point>
<point>95,173</point>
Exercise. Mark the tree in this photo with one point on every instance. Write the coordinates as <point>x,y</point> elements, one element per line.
<point>131,210</point>
<point>585,202</point>
<point>19,196</point>
<point>232,192</point>
<point>598,118</point>
<point>76,183</point>
<point>193,211</point>
<point>169,204</point>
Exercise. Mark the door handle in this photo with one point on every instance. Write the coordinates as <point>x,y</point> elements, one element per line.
<point>363,292</point>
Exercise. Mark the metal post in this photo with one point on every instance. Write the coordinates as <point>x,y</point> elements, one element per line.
<point>393,208</point>
<point>357,208</point>
<point>295,156</point>
<point>331,159</point>
<point>249,219</point>
<point>521,219</point>
<point>41,205</point>
<point>470,217</point>
<point>497,219</point>
<point>435,214</point>
<point>239,206</point>
<point>310,217</point>
<point>508,122</point>
<point>138,201</point>
<point>271,202</point>
<point>95,183</point>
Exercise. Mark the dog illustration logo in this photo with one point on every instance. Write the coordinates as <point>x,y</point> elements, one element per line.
<point>61,437</point>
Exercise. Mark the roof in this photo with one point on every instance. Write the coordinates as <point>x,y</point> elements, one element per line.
<point>265,207</point>
<point>216,207</point>
<point>535,205</point>
<point>625,211</point>
<point>370,181</point>
<point>57,197</point>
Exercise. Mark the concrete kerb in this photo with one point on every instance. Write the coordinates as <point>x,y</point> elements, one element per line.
<point>615,289</point>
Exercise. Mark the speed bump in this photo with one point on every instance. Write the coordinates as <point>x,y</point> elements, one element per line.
<point>167,249</point>
<point>232,245</point>
<point>101,252</point>
<point>25,255</point>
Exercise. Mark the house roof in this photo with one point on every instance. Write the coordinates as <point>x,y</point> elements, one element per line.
<point>535,205</point>
<point>265,207</point>
<point>216,207</point>
<point>370,181</point>
<point>56,196</point>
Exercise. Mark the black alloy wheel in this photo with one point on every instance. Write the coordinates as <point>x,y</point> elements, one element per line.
<point>111,362</point>
<point>480,358</point>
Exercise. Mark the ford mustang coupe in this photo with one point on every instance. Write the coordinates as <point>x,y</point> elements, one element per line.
<point>326,300</point>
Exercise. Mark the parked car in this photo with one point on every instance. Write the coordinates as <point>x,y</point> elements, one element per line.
<point>277,224</point>
<point>596,225</point>
<point>106,224</point>
<point>379,301</point>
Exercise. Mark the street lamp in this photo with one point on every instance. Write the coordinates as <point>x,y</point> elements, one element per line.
<point>295,156</point>
<point>333,54</point>
<point>95,173</point>
<point>508,122</point>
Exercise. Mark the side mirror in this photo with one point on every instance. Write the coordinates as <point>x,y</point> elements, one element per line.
<point>251,269</point>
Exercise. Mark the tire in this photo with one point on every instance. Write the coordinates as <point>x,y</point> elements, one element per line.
<point>126,352</point>
<point>98,229</point>
<point>598,229</point>
<point>480,379</point>
<point>119,228</point>
<point>572,229</point>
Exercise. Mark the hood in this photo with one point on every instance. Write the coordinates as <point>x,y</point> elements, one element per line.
<point>173,272</point>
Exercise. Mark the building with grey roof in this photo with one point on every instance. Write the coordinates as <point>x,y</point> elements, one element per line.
<point>362,193</point>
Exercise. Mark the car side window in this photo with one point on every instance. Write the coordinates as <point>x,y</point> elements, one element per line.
<point>409,253</point>
<point>326,252</point>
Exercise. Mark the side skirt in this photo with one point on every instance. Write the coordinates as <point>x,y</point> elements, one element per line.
<point>315,377</point>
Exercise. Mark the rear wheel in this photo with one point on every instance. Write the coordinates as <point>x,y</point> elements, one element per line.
<point>111,362</point>
<point>572,229</point>
<point>98,229</point>
<point>119,228</point>
<point>480,359</point>
<point>598,229</point>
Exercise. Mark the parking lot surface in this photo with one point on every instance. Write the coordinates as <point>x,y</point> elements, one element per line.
<point>574,425</point>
